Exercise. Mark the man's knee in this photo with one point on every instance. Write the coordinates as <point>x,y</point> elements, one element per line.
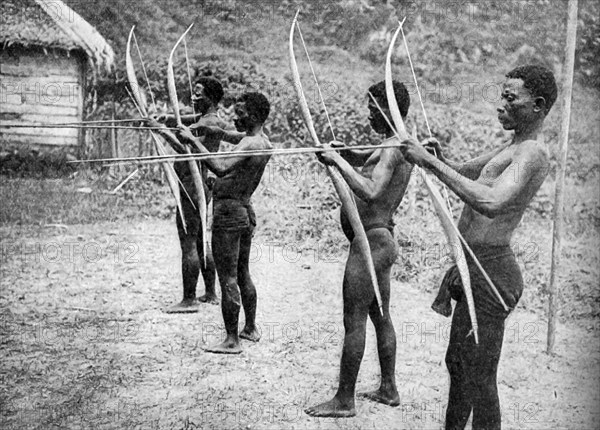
<point>355,315</point>
<point>244,278</point>
<point>453,362</point>
<point>230,290</point>
<point>229,283</point>
<point>189,255</point>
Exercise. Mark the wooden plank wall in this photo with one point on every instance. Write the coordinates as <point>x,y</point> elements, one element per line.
<point>39,89</point>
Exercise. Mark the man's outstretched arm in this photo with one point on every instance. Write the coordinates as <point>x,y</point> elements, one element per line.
<point>167,135</point>
<point>500,196</point>
<point>470,169</point>
<point>366,189</point>
<point>219,166</point>
<point>358,157</point>
<point>231,136</point>
<point>171,122</point>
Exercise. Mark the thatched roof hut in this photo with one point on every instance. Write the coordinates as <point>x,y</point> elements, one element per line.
<point>46,51</point>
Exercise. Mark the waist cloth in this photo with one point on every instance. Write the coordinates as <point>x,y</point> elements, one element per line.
<point>347,227</point>
<point>232,214</point>
<point>501,266</point>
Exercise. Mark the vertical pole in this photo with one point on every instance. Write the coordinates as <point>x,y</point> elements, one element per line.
<point>113,139</point>
<point>140,151</point>
<point>557,232</point>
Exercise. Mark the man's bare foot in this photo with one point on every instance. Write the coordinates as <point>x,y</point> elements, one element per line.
<point>211,299</point>
<point>187,306</point>
<point>227,347</point>
<point>387,398</point>
<point>333,408</point>
<point>250,334</point>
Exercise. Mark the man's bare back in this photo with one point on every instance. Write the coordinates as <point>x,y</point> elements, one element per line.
<point>380,208</point>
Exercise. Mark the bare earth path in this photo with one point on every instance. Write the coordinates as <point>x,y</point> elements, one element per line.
<point>85,344</point>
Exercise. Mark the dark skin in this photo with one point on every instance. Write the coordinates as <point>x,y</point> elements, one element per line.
<point>378,190</point>
<point>191,242</point>
<point>238,178</point>
<point>496,189</point>
<point>203,105</point>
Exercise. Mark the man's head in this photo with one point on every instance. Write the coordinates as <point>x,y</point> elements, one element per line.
<point>378,122</point>
<point>251,109</point>
<point>208,92</point>
<point>527,96</point>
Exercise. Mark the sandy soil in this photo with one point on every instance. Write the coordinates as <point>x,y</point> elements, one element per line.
<point>86,344</point>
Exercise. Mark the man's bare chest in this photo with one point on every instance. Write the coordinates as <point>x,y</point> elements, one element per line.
<point>496,166</point>
<point>367,169</point>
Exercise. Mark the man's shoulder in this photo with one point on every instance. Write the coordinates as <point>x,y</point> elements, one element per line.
<point>532,150</point>
<point>393,156</point>
<point>213,121</point>
<point>256,142</point>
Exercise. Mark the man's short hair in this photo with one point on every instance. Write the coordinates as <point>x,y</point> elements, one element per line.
<point>402,97</point>
<point>538,80</point>
<point>257,105</point>
<point>212,88</point>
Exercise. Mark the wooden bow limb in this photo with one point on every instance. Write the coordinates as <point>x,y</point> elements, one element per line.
<point>452,233</point>
<point>412,69</point>
<point>170,174</point>
<point>196,175</point>
<point>468,248</point>
<point>342,188</point>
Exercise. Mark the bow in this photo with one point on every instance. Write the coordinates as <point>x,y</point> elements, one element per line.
<point>170,174</point>
<point>196,176</point>
<point>348,203</point>
<point>453,235</point>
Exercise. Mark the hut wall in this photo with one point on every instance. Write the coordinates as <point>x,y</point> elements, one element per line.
<point>39,88</point>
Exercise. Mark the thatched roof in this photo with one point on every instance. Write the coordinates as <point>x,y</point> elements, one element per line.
<point>52,25</point>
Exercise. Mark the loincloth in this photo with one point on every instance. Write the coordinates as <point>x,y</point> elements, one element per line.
<point>501,266</point>
<point>349,232</point>
<point>233,215</point>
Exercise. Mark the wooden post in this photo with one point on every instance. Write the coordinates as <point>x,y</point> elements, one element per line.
<point>140,151</point>
<point>113,138</point>
<point>567,87</point>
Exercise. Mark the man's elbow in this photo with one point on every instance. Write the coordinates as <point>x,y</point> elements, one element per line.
<point>219,172</point>
<point>371,196</point>
<point>493,209</point>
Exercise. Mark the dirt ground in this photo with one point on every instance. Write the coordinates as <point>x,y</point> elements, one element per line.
<point>86,344</point>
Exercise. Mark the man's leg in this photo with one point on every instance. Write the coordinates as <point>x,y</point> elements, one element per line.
<point>358,294</point>
<point>486,404</point>
<point>461,389</point>
<point>473,369</point>
<point>247,288</point>
<point>384,254</point>
<point>226,248</point>
<point>208,273</point>
<point>190,262</point>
